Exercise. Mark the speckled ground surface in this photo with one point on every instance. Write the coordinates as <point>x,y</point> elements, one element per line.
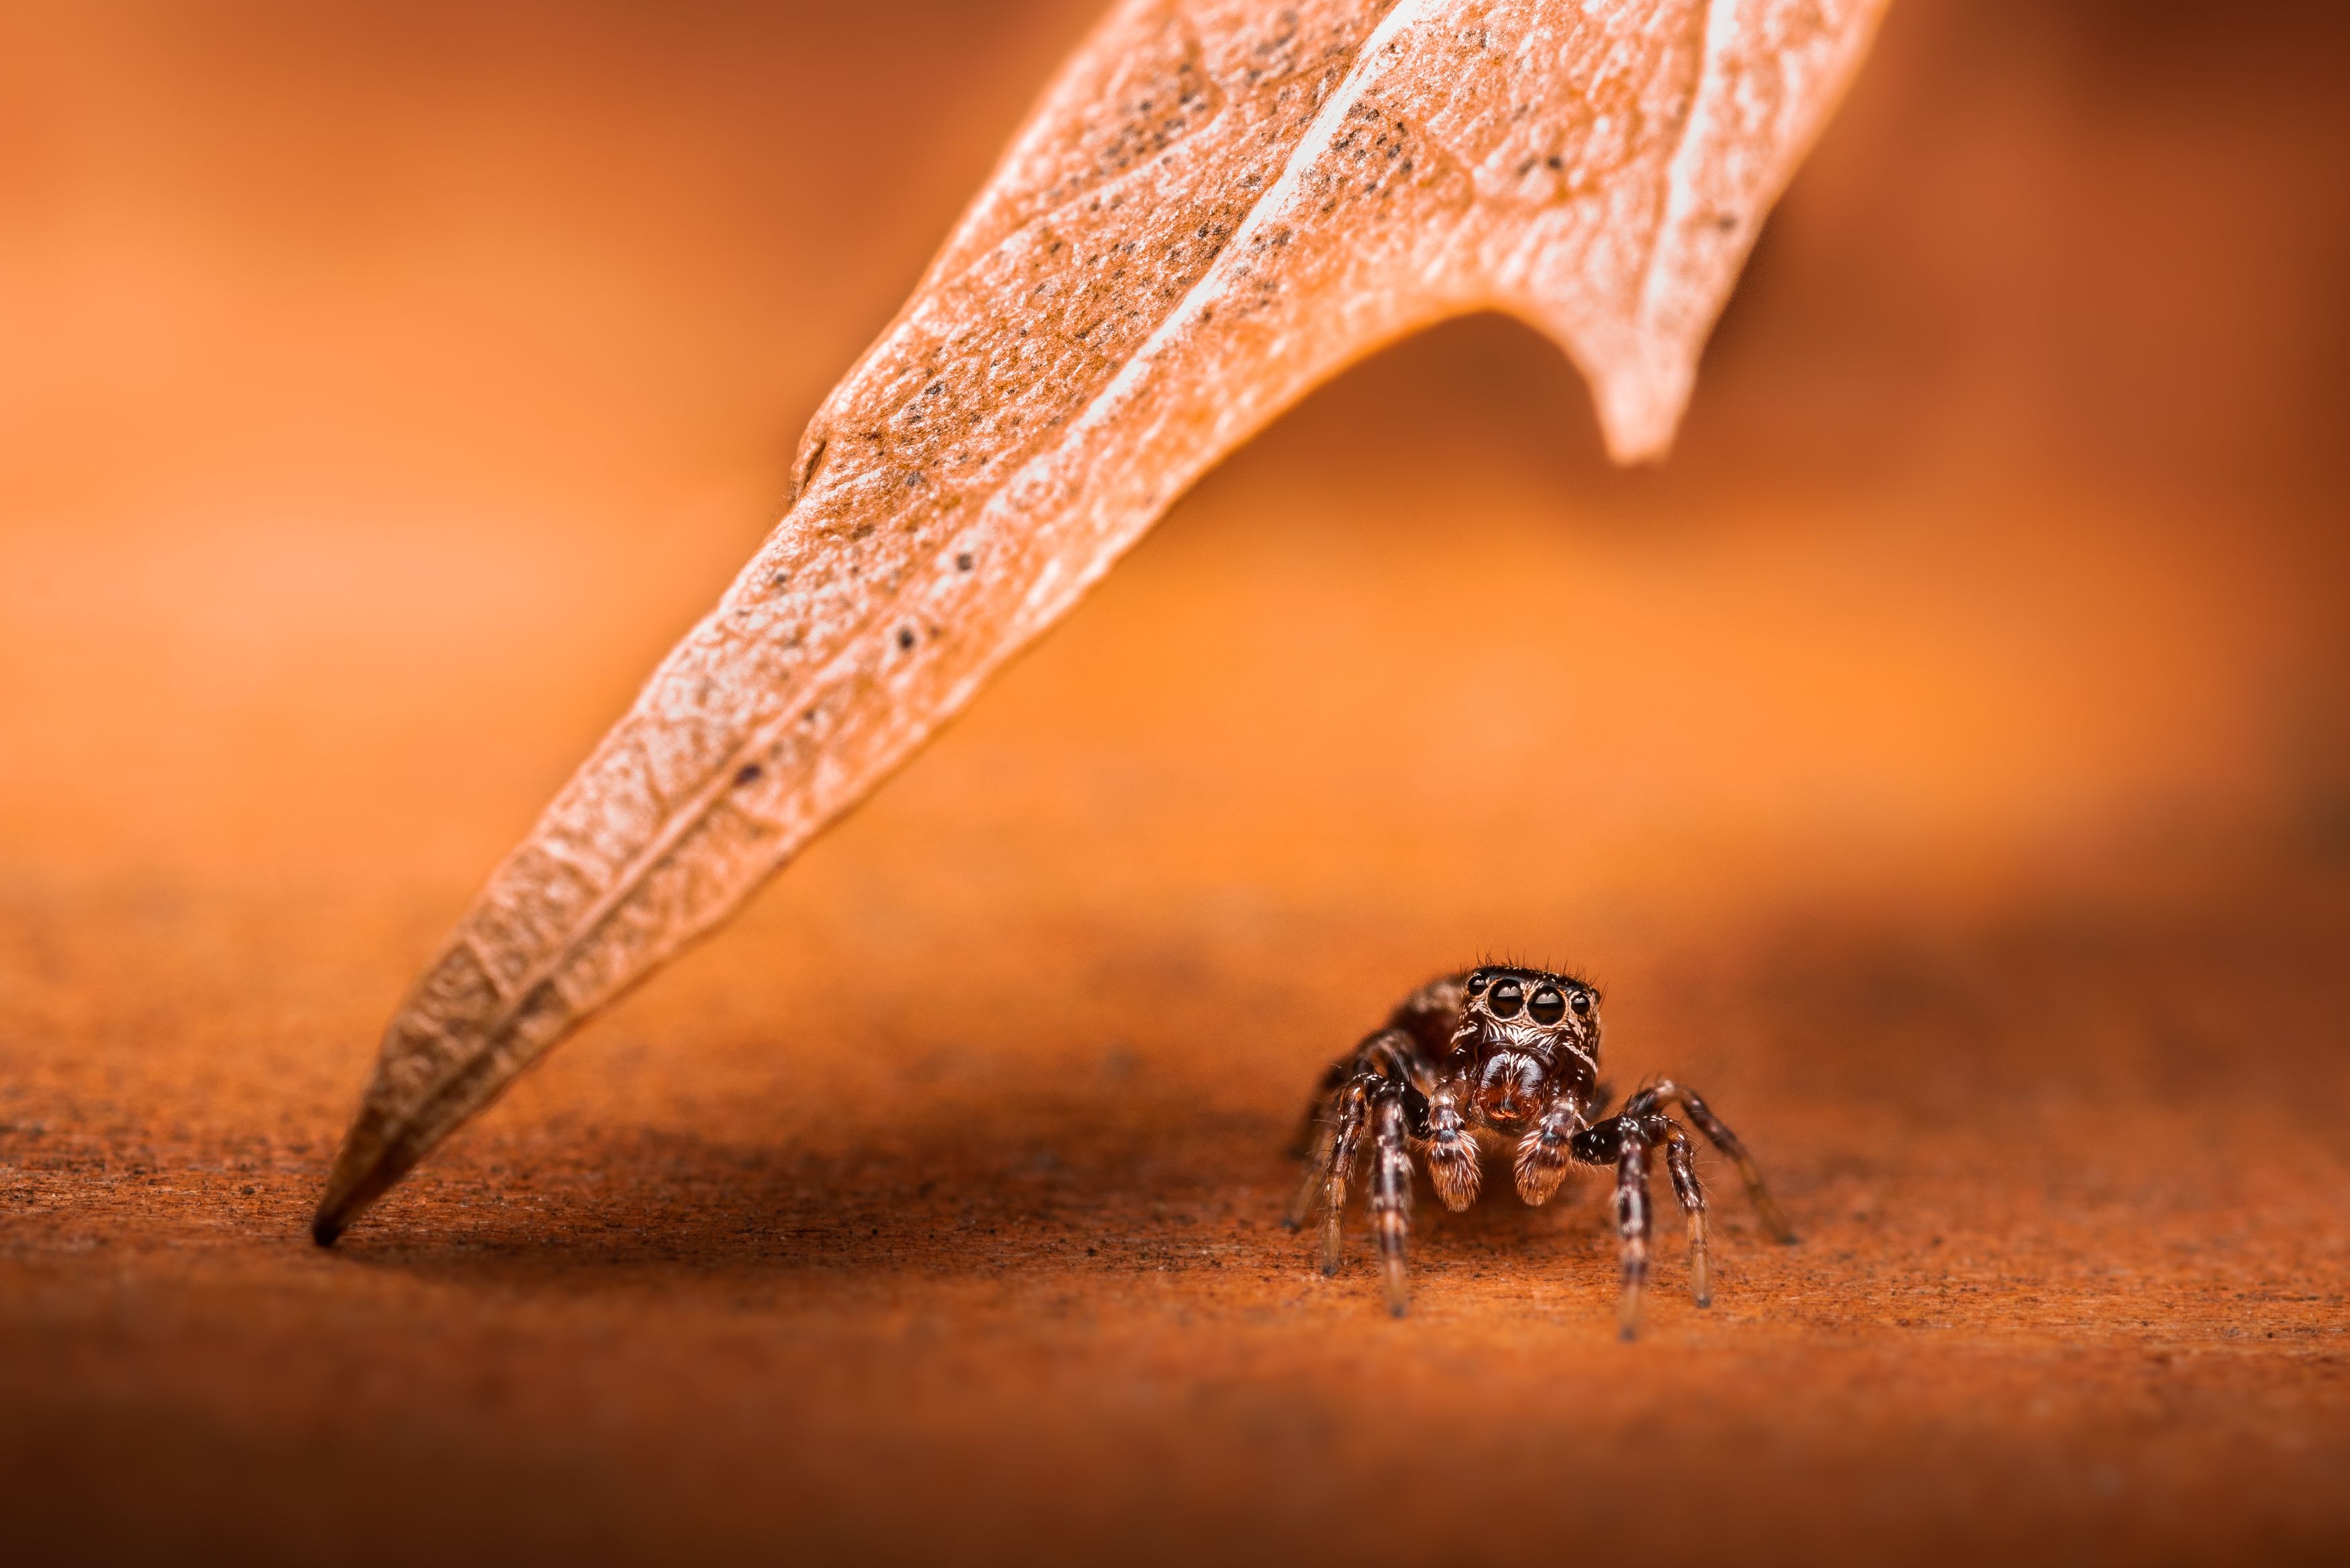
<point>774,1260</point>
<point>1938,763</point>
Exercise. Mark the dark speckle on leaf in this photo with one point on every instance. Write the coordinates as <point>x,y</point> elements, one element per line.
<point>905,636</point>
<point>746,775</point>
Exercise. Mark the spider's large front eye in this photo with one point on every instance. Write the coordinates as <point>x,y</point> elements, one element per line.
<point>1477,983</point>
<point>1582,1004</point>
<point>1507,998</point>
<point>1547,1006</point>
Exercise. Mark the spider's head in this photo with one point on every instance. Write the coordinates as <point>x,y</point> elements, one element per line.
<point>1533,1035</point>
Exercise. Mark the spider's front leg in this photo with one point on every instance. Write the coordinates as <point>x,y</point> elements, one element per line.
<point>1681,1163</point>
<point>1376,1088</point>
<point>1330,1164</point>
<point>1625,1142</point>
<point>1391,1190</point>
<point>1335,1106</point>
<point>1665,1091</point>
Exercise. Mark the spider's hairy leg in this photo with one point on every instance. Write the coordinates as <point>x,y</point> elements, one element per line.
<point>1385,1056</point>
<point>1649,1099</point>
<point>1390,1198</point>
<point>1632,1225</point>
<point>1311,1179</point>
<point>1624,1142</point>
<point>1314,1139</point>
<point>1386,1052</point>
<point>1681,1163</point>
<point>1338,1169</point>
<point>1314,1127</point>
<point>1386,1087</point>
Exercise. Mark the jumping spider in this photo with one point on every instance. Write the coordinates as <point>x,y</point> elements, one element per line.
<point>1496,1054</point>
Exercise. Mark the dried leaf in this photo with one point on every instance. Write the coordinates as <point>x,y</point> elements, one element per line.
<point>1219,205</point>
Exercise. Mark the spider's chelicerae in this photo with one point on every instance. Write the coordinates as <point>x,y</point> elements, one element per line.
<point>1478,1059</point>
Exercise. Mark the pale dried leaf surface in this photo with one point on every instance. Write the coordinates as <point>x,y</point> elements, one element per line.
<point>1219,205</point>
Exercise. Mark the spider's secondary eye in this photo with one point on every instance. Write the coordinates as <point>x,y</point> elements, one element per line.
<point>1507,998</point>
<point>1476,984</point>
<point>1547,1006</point>
<point>1582,1004</point>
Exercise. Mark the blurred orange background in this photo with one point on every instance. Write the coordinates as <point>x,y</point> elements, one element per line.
<point>385,390</point>
<point>382,389</point>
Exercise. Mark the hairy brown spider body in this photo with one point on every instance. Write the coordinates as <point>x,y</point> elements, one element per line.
<point>1510,1057</point>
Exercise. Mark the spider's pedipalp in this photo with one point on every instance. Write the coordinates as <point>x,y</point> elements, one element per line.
<point>1454,1169</point>
<point>1542,1155</point>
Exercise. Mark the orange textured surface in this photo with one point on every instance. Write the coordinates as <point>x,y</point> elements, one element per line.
<point>1939,761</point>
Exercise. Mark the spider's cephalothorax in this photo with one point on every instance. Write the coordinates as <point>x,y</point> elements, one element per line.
<point>1501,1053</point>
